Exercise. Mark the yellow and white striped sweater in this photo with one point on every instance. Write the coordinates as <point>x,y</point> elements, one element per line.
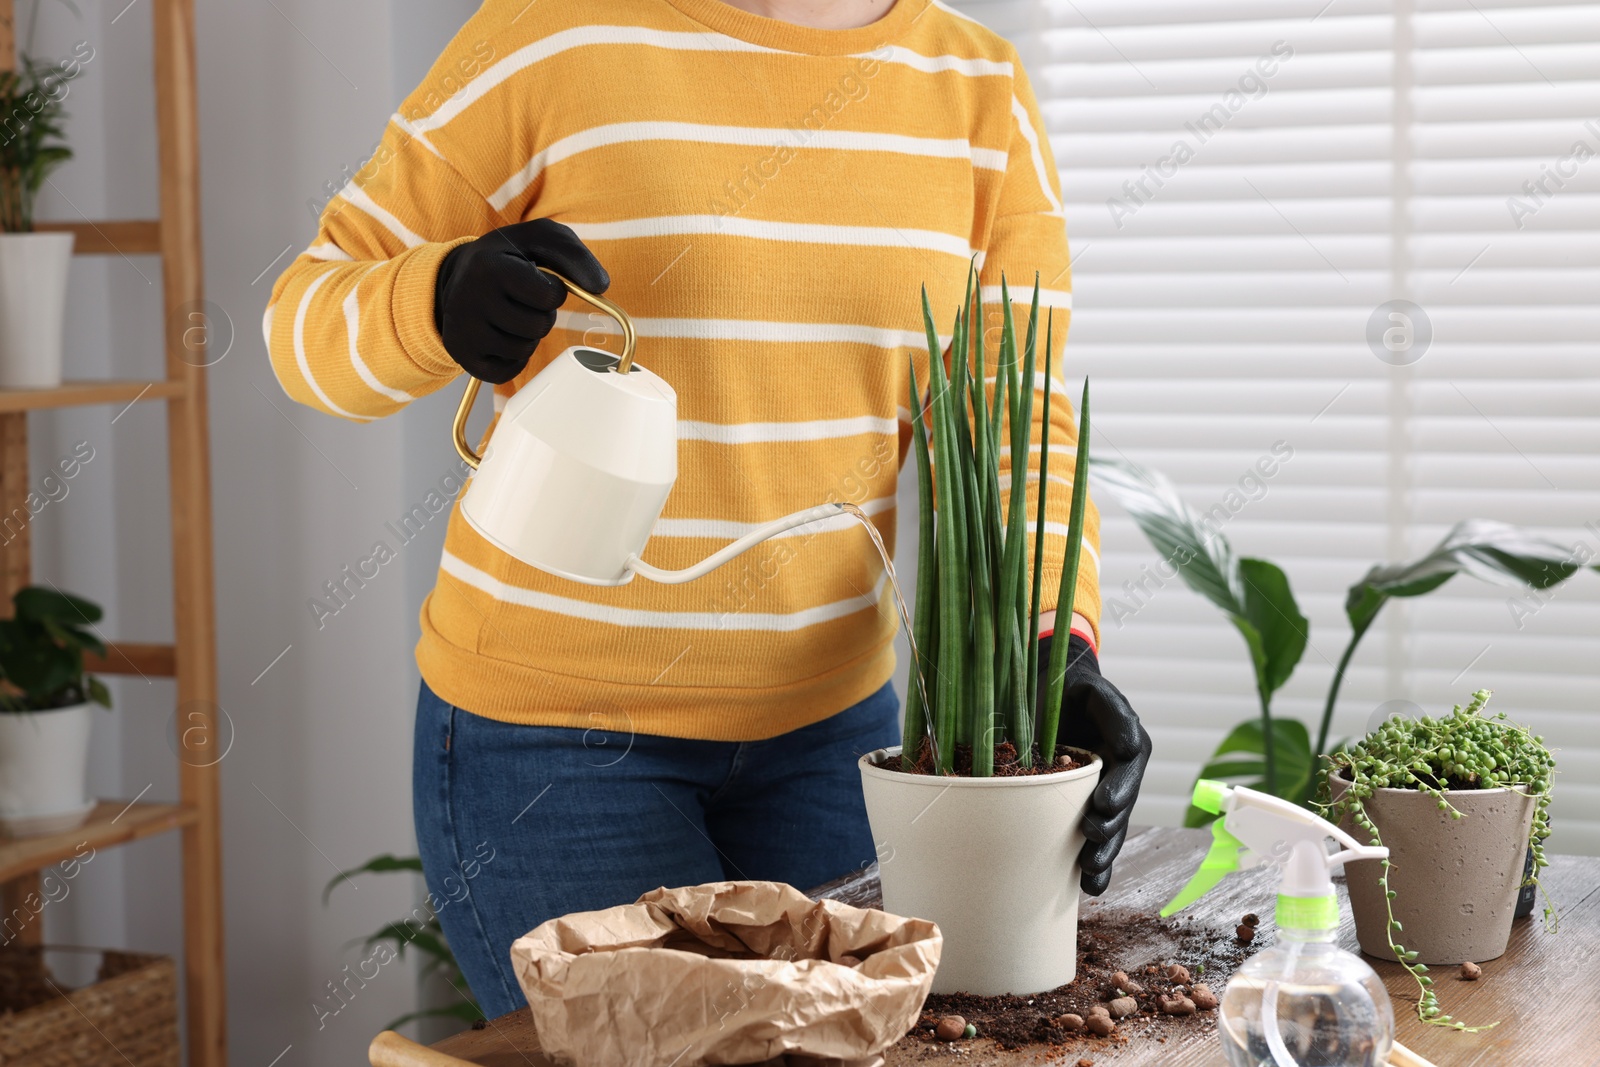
<point>768,200</point>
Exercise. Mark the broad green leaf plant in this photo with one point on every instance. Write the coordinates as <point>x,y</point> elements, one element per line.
<point>424,934</point>
<point>1489,551</point>
<point>41,652</point>
<point>1274,754</point>
<point>978,602</point>
<point>1255,595</point>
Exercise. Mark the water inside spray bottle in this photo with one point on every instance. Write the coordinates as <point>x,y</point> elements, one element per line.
<point>905,619</point>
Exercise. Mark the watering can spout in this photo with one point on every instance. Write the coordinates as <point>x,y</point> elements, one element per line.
<point>737,548</point>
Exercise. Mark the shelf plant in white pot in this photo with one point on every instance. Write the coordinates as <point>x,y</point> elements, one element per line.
<point>977,814</point>
<point>46,710</point>
<point>33,266</point>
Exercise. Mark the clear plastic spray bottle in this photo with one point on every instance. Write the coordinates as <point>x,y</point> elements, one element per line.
<point>1304,1002</point>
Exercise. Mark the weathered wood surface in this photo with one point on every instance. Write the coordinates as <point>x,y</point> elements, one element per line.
<point>1539,990</point>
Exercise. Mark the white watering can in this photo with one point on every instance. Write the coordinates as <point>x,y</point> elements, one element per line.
<point>580,465</point>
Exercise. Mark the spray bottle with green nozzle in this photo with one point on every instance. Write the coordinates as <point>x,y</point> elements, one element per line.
<point>1305,1002</point>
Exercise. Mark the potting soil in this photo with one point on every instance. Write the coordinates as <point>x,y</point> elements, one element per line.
<point>1006,762</point>
<point>1109,941</point>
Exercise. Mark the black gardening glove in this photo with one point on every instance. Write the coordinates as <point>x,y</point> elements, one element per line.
<point>1096,716</point>
<point>493,306</point>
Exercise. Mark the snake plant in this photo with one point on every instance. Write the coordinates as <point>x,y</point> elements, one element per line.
<point>976,629</point>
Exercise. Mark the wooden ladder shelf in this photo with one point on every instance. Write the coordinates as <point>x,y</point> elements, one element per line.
<point>191,658</point>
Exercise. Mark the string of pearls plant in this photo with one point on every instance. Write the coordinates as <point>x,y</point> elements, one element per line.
<point>1464,750</point>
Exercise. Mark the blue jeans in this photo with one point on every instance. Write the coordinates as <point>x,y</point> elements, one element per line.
<point>519,824</point>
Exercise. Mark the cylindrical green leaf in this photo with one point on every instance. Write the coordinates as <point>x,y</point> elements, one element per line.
<point>1050,716</point>
<point>917,722</point>
<point>1038,529</point>
<point>951,598</point>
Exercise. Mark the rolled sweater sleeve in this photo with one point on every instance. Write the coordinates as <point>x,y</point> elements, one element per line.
<point>350,327</point>
<point>1028,238</point>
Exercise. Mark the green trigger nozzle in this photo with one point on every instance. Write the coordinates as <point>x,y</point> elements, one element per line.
<point>1223,857</point>
<point>1221,861</point>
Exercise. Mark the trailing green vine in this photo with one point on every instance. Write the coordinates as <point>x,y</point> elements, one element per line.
<point>1464,750</point>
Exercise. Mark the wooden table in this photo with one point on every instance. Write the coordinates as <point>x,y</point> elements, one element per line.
<point>1541,990</point>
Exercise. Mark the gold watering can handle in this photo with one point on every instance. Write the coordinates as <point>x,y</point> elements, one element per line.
<point>458,429</point>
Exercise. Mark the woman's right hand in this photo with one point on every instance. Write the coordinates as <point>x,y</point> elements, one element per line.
<point>492,305</point>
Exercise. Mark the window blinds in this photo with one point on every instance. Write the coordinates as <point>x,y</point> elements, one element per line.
<point>1247,184</point>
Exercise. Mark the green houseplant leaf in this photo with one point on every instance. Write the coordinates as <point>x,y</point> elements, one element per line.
<point>1204,561</point>
<point>31,145</point>
<point>383,864</point>
<point>1253,593</point>
<point>1490,551</point>
<point>1240,759</point>
<point>918,719</point>
<point>42,647</point>
<point>1050,714</point>
<point>426,937</point>
<point>52,605</point>
<point>1280,630</point>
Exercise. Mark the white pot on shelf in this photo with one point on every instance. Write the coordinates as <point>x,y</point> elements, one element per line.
<point>44,763</point>
<point>33,304</point>
<point>993,861</point>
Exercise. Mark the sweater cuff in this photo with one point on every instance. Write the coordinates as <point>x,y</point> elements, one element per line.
<point>411,308</point>
<point>1086,601</point>
<point>1087,634</point>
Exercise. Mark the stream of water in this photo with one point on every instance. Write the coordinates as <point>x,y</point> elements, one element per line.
<point>905,620</point>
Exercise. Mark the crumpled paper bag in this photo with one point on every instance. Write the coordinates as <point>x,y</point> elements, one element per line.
<point>725,973</point>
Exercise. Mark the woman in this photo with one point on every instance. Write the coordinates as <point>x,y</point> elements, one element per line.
<point>767,195</point>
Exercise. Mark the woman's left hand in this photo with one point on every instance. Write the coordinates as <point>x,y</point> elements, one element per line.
<point>1096,716</point>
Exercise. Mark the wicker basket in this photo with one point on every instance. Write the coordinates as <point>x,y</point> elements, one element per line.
<point>128,1017</point>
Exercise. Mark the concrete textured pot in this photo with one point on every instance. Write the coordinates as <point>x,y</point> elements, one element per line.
<point>44,760</point>
<point>1456,881</point>
<point>993,861</point>
<point>33,301</point>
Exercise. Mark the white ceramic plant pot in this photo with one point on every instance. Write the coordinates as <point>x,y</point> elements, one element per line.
<point>33,303</point>
<point>993,861</point>
<point>44,760</point>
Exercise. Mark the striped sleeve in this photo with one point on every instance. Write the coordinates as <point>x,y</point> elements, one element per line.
<point>350,328</point>
<point>1028,237</point>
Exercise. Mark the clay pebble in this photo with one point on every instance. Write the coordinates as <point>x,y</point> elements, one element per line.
<point>950,1028</point>
<point>1123,1006</point>
<point>1126,984</point>
<point>1204,999</point>
<point>1177,1006</point>
<point>1178,973</point>
<point>1251,919</point>
<point>1100,1025</point>
<point>1245,932</point>
<point>1471,972</point>
<point>1069,1021</point>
